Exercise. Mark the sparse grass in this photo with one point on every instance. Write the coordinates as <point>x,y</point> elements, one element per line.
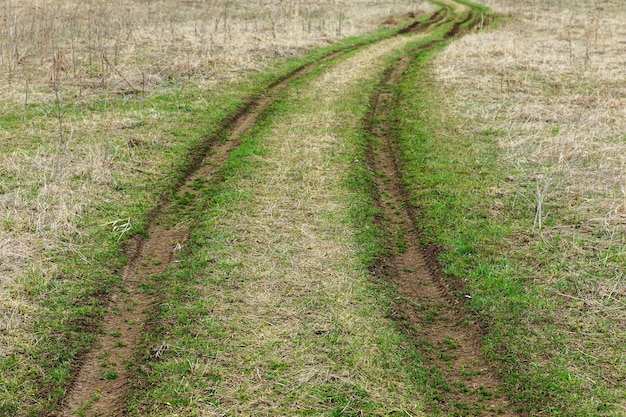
<point>511,151</point>
<point>272,310</point>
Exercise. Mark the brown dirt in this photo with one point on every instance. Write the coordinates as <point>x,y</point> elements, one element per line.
<point>447,335</point>
<point>435,19</point>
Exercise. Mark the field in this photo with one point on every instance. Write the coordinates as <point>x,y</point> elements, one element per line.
<point>102,103</point>
<point>545,91</point>
<point>286,208</point>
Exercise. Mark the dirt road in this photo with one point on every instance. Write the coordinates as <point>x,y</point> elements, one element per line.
<point>449,341</point>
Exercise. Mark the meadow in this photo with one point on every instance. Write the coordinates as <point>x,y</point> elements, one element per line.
<point>512,149</point>
<point>102,106</point>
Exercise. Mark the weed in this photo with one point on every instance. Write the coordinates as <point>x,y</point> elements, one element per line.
<point>110,375</point>
<point>449,341</point>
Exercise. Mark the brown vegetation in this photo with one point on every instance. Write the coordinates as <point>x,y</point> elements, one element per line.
<point>124,45</point>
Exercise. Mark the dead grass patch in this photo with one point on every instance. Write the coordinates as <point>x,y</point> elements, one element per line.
<point>131,46</point>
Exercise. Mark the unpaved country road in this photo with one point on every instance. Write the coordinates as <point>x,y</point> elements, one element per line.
<point>294,198</point>
<point>103,378</point>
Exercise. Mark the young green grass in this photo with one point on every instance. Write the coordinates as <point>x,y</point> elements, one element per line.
<point>272,311</point>
<point>547,295</point>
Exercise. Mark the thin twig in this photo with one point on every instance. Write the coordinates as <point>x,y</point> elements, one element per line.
<point>104,57</point>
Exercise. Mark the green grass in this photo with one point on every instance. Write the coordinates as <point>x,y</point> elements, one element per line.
<point>459,182</point>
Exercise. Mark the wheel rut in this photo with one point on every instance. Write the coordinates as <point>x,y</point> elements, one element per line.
<point>464,382</point>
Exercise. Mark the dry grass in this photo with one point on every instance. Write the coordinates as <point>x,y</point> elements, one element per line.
<point>548,85</point>
<point>550,81</point>
<point>50,198</point>
<point>123,45</point>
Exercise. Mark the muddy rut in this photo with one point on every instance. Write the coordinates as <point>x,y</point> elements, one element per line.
<point>451,344</point>
<point>446,335</point>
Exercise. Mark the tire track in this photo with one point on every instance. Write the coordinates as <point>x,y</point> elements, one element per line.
<point>450,341</point>
<point>103,376</point>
